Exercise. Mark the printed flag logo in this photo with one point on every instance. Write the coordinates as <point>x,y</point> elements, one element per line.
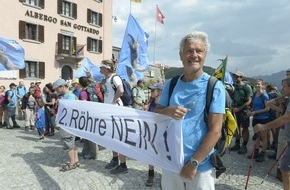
<point>133,59</point>
<point>11,55</point>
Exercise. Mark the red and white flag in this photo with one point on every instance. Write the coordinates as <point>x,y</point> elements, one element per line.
<point>159,16</point>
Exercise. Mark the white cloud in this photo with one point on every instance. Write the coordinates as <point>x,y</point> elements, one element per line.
<point>255,34</point>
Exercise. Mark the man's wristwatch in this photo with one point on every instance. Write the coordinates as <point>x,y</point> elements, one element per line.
<point>194,162</point>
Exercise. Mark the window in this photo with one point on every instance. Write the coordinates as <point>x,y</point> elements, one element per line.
<point>33,69</point>
<point>34,3</point>
<point>67,8</point>
<point>31,31</point>
<point>99,1</point>
<point>94,45</point>
<point>66,44</point>
<point>94,18</point>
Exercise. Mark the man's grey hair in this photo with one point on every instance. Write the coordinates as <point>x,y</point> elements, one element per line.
<point>192,36</point>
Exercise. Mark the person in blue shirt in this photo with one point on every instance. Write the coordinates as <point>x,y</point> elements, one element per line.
<point>40,119</point>
<point>62,89</point>
<point>11,107</point>
<point>260,115</point>
<point>187,102</point>
<point>20,92</point>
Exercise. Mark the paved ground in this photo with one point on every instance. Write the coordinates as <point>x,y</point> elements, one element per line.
<point>27,163</point>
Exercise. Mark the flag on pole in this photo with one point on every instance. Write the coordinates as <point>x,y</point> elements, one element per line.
<point>89,69</point>
<point>137,1</point>
<point>220,72</point>
<point>133,60</point>
<point>80,49</point>
<point>159,16</point>
<point>11,55</point>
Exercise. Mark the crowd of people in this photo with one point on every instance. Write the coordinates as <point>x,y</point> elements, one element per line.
<point>264,104</point>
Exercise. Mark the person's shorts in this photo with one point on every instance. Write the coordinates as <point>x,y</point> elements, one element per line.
<point>259,121</point>
<point>68,140</point>
<point>285,163</point>
<point>243,119</point>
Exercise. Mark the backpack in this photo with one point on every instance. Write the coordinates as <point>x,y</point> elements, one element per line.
<point>228,128</point>
<point>6,101</point>
<point>95,93</point>
<point>127,97</point>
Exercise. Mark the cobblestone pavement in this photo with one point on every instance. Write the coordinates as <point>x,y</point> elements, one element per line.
<point>27,163</point>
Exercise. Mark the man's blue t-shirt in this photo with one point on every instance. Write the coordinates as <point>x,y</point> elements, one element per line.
<point>13,97</point>
<point>192,95</point>
<point>21,91</point>
<point>258,102</point>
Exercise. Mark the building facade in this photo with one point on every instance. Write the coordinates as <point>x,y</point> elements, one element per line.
<point>56,35</point>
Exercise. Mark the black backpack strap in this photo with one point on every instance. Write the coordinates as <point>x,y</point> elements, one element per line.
<point>112,83</point>
<point>173,83</point>
<point>209,94</point>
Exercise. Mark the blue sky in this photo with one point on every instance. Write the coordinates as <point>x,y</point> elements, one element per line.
<point>254,33</point>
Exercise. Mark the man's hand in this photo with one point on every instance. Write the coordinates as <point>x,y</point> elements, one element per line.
<point>188,171</point>
<point>178,112</point>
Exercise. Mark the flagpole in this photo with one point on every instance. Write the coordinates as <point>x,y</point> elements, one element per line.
<point>154,38</point>
<point>130,5</point>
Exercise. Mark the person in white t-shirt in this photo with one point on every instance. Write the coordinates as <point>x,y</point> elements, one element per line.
<point>107,68</point>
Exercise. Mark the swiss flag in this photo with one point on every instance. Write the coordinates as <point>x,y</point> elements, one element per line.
<point>159,16</point>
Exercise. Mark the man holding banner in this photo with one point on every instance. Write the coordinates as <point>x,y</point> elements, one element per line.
<point>107,68</point>
<point>187,102</point>
<point>62,89</point>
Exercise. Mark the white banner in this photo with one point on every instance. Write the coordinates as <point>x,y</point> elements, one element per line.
<point>145,136</point>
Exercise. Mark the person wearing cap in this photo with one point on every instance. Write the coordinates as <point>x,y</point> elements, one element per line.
<point>242,100</point>
<point>139,96</point>
<point>107,68</point>
<point>155,95</point>
<point>187,103</point>
<point>11,107</point>
<point>62,89</point>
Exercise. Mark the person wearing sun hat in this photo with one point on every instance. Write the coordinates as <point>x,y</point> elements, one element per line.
<point>242,99</point>
<point>76,87</point>
<point>107,68</point>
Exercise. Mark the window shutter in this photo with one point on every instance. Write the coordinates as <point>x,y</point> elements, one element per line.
<point>21,1</point>
<point>100,19</point>
<point>100,46</point>
<point>88,44</point>
<point>41,70</point>
<point>59,43</point>
<point>21,29</point>
<point>22,73</point>
<point>41,33</point>
<point>75,11</point>
<point>59,6</point>
<point>74,45</point>
<point>41,4</point>
<point>89,17</point>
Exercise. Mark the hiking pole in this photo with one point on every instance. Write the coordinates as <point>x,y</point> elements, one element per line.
<point>281,154</point>
<point>251,162</point>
